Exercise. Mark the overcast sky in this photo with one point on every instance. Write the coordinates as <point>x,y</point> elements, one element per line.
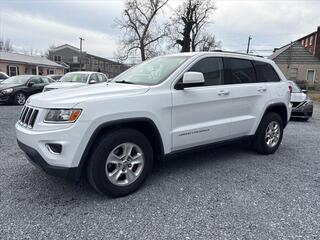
<point>39,23</point>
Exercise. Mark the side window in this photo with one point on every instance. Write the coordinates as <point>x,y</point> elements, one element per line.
<point>45,80</point>
<point>102,78</point>
<point>265,72</point>
<point>238,71</point>
<point>36,80</point>
<point>211,69</point>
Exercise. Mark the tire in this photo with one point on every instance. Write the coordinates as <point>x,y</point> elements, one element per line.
<point>110,148</point>
<point>262,141</point>
<point>20,98</point>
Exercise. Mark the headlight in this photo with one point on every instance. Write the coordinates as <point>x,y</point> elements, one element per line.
<point>7,91</point>
<point>62,115</point>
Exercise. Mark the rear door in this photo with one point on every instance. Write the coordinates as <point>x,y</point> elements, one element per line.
<point>247,95</point>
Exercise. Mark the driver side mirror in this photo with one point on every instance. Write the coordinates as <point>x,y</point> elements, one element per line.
<point>191,79</point>
<point>92,81</point>
<point>30,84</point>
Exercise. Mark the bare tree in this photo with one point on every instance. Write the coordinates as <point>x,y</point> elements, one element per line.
<point>47,52</point>
<point>189,23</point>
<point>6,45</point>
<point>207,43</point>
<point>141,32</point>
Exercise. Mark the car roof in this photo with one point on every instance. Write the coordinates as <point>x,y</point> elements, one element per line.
<point>219,53</point>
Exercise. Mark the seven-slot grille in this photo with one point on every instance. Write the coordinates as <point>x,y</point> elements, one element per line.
<point>28,117</point>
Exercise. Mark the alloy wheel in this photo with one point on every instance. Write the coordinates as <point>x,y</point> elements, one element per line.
<point>21,98</point>
<point>124,164</point>
<point>272,134</point>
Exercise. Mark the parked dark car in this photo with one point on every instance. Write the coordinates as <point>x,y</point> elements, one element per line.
<point>17,89</point>
<point>302,105</point>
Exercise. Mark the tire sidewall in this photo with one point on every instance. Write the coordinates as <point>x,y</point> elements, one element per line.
<point>261,144</point>
<point>99,157</point>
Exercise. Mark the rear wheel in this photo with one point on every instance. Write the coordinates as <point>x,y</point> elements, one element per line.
<point>120,162</point>
<point>269,134</point>
<point>20,98</point>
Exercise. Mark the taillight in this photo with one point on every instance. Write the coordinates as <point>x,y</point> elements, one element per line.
<point>290,88</point>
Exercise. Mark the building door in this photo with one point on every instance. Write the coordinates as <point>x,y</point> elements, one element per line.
<point>34,71</point>
<point>311,74</point>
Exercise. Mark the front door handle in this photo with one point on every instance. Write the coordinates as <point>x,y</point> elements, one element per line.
<point>223,92</point>
<point>262,89</point>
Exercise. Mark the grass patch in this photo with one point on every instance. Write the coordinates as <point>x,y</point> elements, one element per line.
<point>314,95</point>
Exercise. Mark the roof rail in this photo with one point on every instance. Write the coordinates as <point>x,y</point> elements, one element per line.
<point>254,55</point>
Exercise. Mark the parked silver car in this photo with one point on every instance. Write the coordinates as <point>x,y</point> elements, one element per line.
<point>77,79</point>
<point>3,76</point>
<point>302,105</point>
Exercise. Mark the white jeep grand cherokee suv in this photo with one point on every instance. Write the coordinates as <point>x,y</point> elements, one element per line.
<point>114,133</point>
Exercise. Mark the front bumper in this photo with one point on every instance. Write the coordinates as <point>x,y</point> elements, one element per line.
<point>5,98</point>
<point>35,158</point>
<point>35,139</point>
<point>303,110</point>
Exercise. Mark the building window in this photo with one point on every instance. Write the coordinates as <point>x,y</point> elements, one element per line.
<point>57,58</point>
<point>75,59</point>
<point>302,43</point>
<point>311,75</point>
<point>51,71</point>
<point>13,71</point>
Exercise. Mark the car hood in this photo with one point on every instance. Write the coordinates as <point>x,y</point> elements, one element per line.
<point>68,98</point>
<point>298,97</point>
<point>59,85</point>
<point>5,86</point>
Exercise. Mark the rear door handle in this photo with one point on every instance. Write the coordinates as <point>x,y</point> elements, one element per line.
<point>223,92</point>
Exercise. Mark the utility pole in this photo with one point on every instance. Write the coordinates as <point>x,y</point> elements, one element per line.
<point>80,62</point>
<point>249,41</point>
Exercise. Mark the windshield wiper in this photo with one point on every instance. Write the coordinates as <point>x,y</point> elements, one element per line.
<point>124,81</point>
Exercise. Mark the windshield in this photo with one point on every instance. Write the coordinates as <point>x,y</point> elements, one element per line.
<point>16,80</point>
<point>75,77</point>
<point>151,72</point>
<point>295,88</point>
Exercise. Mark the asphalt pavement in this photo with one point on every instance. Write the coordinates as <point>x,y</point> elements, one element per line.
<point>228,192</point>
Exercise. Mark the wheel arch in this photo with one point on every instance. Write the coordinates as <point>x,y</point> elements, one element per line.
<point>144,125</point>
<point>279,108</point>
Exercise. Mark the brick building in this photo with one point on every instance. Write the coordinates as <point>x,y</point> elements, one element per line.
<point>312,42</point>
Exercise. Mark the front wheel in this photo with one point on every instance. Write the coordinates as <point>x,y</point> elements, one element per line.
<point>20,98</point>
<point>269,134</point>
<point>120,162</point>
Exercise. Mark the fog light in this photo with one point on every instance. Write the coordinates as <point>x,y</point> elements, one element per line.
<point>54,148</point>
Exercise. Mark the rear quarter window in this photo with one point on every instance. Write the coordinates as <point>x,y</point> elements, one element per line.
<point>265,72</point>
